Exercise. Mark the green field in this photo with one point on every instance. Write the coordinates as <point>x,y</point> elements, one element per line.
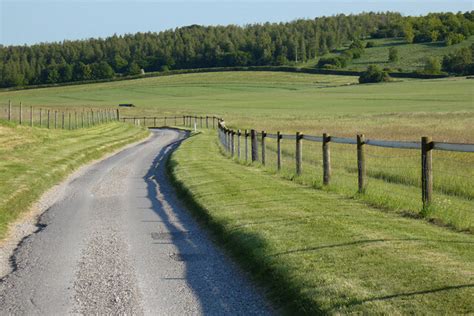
<point>318,248</point>
<point>288,102</point>
<point>319,253</point>
<point>314,104</point>
<point>412,57</point>
<point>34,159</point>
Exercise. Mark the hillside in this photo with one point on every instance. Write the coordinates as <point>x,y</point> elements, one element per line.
<point>412,56</point>
<point>195,46</point>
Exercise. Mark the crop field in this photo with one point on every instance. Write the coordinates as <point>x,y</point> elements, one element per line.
<point>313,104</point>
<point>34,159</point>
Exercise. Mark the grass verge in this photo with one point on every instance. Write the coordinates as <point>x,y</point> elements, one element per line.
<point>34,159</point>
<point>318,252</point>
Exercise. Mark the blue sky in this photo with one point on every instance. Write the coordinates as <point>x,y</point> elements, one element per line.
<point>29,22</point>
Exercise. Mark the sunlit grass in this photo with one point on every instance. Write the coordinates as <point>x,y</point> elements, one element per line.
<point>320,252</point>
<point>34,159</point>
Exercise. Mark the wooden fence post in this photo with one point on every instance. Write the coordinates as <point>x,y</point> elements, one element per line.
<point>226,132</point>
<point>326,159</point>
<point>200,122</point>
<point>246,135</point>
<point>207,121</point>
<point>299,153</point>
<point>264,135</point>
<point>82,119</point>
<point>362,176</point>
<point>41,117</point>
<point>75,120</point>
<point>62,120</point>
<point>21,113</point>
<point>279,137</point>
<point>213,124</point>
<point>31,116</point>
<point>55,119</point>
<point>165,120</point>
<point>238,143</point>
<point>154,121</point>
<point>118,115</point>
<point>426,170</point>
<point>232,144</point>
<point>175,121</point>
<point>9,110</point>
<point>253,141</point>
<point>69,114</point>
<point>49,119</point>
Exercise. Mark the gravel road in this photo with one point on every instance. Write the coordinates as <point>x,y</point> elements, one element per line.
<point>118,241</point>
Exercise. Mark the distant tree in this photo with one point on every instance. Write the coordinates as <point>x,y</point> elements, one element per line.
<point>432,65</point>
<point>393,55</point>
<point>408,33</point>
<point>460,62</point>
<point>374,74</point>
<point>66,72</point>
<point>133,69</point>
<point>102,70</point>
<point>119,63</point>
<point>454,38</point>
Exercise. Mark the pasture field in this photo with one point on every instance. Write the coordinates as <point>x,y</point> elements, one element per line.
<point>34,159</point>
<point>313,104</point>
<point>412,57</point>
<point>319,253</point>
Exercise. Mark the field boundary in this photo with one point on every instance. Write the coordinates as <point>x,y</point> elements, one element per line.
<point>250,146</point>
<point>426,146</point>
<point>307,70</point>
<point>53,118</point>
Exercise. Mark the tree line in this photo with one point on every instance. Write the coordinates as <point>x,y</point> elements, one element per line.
<point>220,46</point>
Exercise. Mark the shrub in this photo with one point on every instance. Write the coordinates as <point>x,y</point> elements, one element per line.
<point>432,66</point>
<point>453,38</point>
<point>374,74</point>
<point>393,54</point>
<point>370,44</point>
<point>335,62</point>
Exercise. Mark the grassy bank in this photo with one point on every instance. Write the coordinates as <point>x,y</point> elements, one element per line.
<point>318,252</point>
<point>34,159</point>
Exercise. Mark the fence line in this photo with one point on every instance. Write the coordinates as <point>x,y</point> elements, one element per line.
<point>49,117</point>
<point>426,147</point>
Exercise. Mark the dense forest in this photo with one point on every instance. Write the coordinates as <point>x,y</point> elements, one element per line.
<point>219,46</point>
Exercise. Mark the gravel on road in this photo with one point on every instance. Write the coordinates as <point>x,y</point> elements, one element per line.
<point>118,241</point>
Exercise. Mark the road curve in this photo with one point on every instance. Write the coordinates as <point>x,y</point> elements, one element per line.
<point>119,242</point>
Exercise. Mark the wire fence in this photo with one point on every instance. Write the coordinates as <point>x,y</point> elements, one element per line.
<point>405,175</point>
<point>56,118</point>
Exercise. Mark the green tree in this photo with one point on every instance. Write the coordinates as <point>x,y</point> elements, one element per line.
<point>432,65</point>
<point>393,55</point>
<point>133,69</point>
<point>374,74</point>
<point>408,33</point>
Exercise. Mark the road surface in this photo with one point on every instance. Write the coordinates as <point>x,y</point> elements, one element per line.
<point>119,242</point>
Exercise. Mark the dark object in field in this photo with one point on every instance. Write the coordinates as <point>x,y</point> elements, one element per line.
<point>130,105</point>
